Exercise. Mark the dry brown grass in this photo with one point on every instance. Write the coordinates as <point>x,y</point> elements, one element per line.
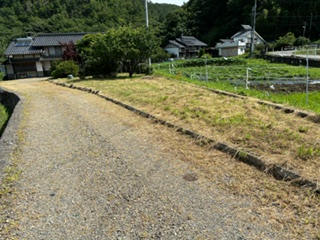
<point>289,208</point>
<point>278,138</point>
<point>243,123</point>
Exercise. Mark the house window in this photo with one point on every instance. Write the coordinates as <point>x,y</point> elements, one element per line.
<point>55,51</point>
<point>58,51</point>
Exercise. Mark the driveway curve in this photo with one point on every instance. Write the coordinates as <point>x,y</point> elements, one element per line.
<point>92,170</point>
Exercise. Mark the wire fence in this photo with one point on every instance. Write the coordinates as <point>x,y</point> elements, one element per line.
<point>244,75</point>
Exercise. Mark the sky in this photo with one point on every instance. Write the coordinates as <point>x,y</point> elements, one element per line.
<point>176,2</point>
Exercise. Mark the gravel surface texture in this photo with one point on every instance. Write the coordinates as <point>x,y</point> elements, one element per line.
<point>92,170</point>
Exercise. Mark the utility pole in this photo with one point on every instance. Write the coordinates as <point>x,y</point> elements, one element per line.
<point>310,24</point>
<point>147,25</point>
<point>147,15</point>
<point>253,27</point>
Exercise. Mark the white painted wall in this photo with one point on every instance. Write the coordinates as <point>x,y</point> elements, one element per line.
<point>174,51</point>
<point>39,67</point>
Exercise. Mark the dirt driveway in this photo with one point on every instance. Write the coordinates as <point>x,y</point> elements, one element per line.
<point>92,170</point>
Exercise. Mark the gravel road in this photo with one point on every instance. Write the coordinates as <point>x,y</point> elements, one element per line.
<point>92,170</point>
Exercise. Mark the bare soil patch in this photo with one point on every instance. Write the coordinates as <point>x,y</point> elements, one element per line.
<point>287,88</point>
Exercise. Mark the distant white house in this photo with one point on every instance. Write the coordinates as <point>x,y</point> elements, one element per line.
<point>239,42</point>
<point>185,47</point>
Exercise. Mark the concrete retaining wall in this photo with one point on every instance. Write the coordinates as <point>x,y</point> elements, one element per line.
<point>292,60</point>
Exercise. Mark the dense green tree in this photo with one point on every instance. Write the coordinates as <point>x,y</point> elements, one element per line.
<point>125,46</point>
<point>211,20</point>
<point>287,40</point>
<point>97,56</point>
<point>132,46</point>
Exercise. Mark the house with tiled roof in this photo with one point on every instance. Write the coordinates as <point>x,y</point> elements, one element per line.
<point>239,42</point>
<point>185,47</point>
<point>32,57</point>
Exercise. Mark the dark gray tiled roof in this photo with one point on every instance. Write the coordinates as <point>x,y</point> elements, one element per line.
<point>176,44</point>
<point>12,49</point>
<point>24,46</point>
<point>190,41</point>
<point>54,39</point>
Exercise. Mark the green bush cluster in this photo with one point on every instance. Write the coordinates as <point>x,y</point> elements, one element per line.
<point>4,115</point>
<point>64,68</point>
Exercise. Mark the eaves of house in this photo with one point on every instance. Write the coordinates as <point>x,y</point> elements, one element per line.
<point>190,41</point>
<point>245,32</point>
<point>175,43</point>
<point>22,46</point>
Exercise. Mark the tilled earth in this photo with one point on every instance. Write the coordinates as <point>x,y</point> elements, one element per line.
<point>287,88</point>
<point>92,170</point>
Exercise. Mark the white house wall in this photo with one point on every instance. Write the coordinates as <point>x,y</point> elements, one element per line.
<point>39,69</point>
<point>39,66</point>
<point>173,51</point>
<point>230,52</point>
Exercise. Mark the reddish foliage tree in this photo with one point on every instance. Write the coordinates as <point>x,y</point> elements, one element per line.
<point>70,52</point>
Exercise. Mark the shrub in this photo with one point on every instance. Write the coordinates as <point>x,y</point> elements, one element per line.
<point>65,68</point>
<point>206,56</point>
<point>287,40</point>
<point>301,41</point>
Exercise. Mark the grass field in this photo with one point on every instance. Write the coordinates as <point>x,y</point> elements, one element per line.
<point>279,137</point>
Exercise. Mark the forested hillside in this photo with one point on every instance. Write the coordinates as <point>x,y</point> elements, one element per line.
<point>27,17</point>
<point>211,20</point>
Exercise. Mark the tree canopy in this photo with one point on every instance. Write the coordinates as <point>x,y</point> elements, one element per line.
<point>124,47</point>
<point>211,20</point>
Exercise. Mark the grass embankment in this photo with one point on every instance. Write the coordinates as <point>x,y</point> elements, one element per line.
<point>279,138</point>
<point>4,116</point>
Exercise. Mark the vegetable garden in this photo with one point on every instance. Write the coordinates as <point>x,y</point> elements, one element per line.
<point>236,69</point>
<point>279,83</point>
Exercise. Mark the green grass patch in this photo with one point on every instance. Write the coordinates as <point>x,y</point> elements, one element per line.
<point>232,79</point>
<point>4,116</point>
